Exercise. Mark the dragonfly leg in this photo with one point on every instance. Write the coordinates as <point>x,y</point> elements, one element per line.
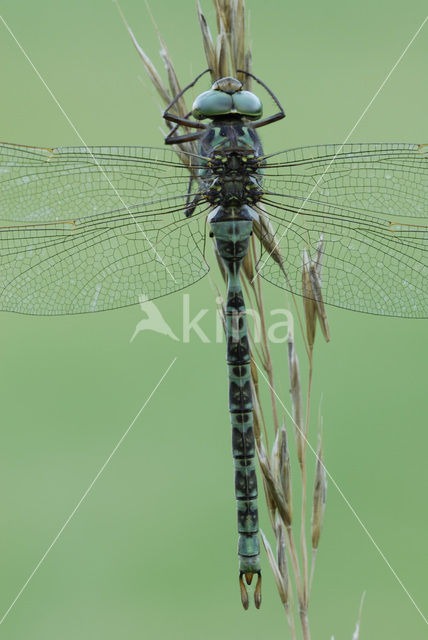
<point>184,138</point>
<point>171,138</point>
<point>191,204</point>
<point>182,92</point>
<point>182,121</point>
<point>272,118</point>
<point>268,120</point>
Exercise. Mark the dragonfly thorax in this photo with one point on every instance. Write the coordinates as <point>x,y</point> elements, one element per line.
<point>233,179</point>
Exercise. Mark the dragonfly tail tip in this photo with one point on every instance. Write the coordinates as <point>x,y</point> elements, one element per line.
<point>257,590</point>
<point>249,577</point>
<point>244,593</point>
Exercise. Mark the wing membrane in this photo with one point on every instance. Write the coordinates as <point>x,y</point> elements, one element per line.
<point>38,184</point>
<point>370,203</point>
<point>93,229</point>
<point>89,230</point>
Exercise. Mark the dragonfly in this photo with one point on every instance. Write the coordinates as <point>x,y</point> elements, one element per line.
<point>87,229</point>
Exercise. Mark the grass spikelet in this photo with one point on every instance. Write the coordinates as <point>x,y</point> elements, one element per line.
<point>208,43</point>
<point>224,10</point>
<point>280,580</point>
<point>296,396</point>
<point>281,466</point>
<point>319,498</point>
<point>311,288</point>
<point>248,66</point>
<point>248,266</point>
<point>316,278</point>
<point>221,52</point>
<point>318,506</point>
<point>174,85</point>
<point>237,32</point>
<point>281,547</point>
<point>257,414</point>
<point>275,490</point>
<point>270,505</point>
<point>148,65</point>
<point>309,303</point>
<point>265,232</point>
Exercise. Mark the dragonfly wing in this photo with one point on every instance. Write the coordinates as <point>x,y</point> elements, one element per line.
<point>72,243</point>
<point>369,203</point>
<point>38,184</point>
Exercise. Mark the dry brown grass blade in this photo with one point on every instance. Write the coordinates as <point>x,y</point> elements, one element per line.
<point>217,9</point>
<point>248,266</point>
<point>238,36</point>
<point>319,256</point>
<point>179,108</point>
<point>270,505</point>
<point>319,498</point>
<point>281,583</point>
<point>309,303</point>
<point>231,29</point>
<point>223,46</point>
<point>224,10</point>
<point>316,283</point>
<point>296,397</point>
<point>281,546</point>
<point>148,65</point>
<point>161,88</point>
<point>313,299</point>
<point>254,373</point>
<point>320,308</point>
<point>275,490</point>
<point>209,48</point>
<point>174,85</point>
<point>280,463</point>
<point>257,415</point>
<point>248,66</point>
<point>265,232</point>
<point>221,53</point>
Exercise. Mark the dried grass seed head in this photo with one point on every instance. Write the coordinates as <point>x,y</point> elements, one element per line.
<point>319,498</point>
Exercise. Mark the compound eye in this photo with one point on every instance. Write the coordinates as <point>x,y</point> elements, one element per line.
<point>211,103</point>
<point>248,104</point>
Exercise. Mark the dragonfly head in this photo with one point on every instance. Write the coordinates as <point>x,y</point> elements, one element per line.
<point>227,97</point>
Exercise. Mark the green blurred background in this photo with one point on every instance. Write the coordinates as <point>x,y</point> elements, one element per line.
<point>151,553</point>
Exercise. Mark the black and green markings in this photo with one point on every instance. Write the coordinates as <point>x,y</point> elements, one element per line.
<point>230,175</point>
<point>232,237</point>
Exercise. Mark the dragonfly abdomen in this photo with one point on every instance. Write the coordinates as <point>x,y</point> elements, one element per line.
<point>232,229</point>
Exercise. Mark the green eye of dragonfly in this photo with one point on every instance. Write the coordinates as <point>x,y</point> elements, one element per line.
<point>248,104</point>
<point>212,103</point>
<point>217,102</point>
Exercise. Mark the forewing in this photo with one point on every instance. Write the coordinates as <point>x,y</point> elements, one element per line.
<point>370,204</point>
<point>39,185</point>
<point>94,229</point>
